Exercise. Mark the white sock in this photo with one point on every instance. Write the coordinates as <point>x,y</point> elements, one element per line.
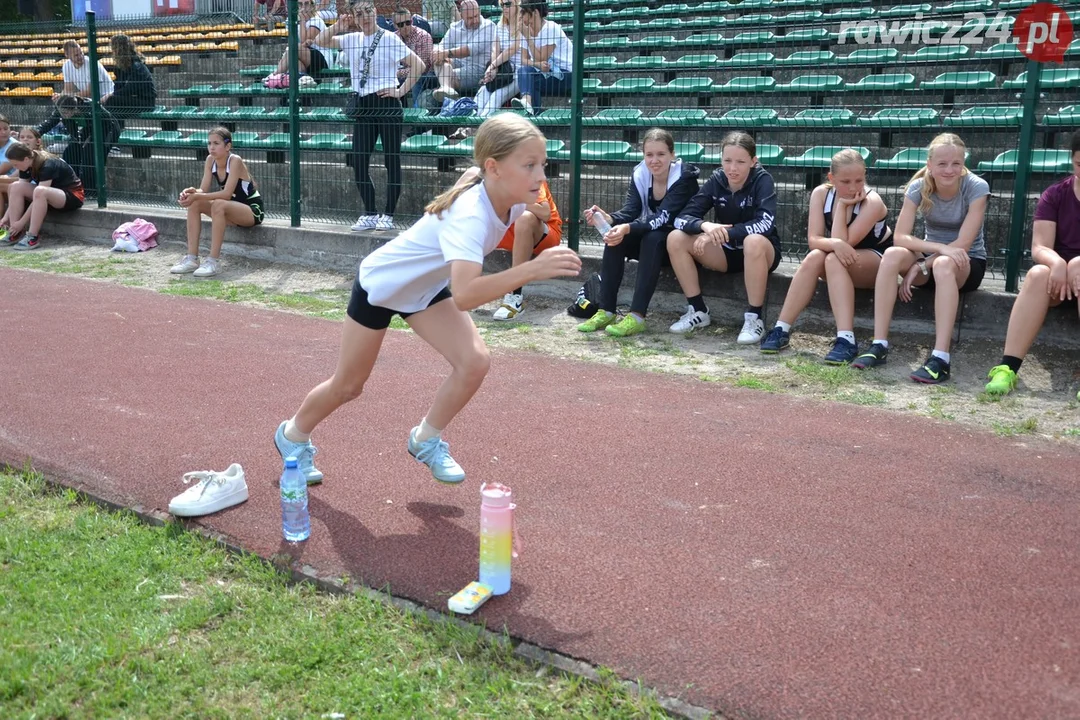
<point>786,327</point>
<point>294,435</point>
<point>882,343</point>
<point>639,318</point>
<point>941,354</point>
<point>426,432</point>
<point>847,335</point>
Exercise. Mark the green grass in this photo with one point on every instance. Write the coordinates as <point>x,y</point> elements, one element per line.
<point>863,397</point>
<point>754,383</point>
<point>1072,432</point>
<point>106,617</point>
<point>1025,427</point>
<point>826,377</point>
<point>328,304</point>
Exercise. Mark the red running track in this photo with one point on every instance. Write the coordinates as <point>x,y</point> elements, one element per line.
<point>756,554</point>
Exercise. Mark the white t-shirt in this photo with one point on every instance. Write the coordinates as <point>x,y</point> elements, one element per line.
<point>80,77</point>
<point>317,23</point>
<point>506,40</point>
<point>551,33</point>
<point>479,42</point>
<point>384,63</point>
<point>406,273</point>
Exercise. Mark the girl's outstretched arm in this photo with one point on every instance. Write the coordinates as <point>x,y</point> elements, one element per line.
<point>471,288</point>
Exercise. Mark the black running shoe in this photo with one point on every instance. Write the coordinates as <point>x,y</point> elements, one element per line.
<point>878,354</point>
<point>775,341</point>
<point>934,371</point>
<point>842,353</point>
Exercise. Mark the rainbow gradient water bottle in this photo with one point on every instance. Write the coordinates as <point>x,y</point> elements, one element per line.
<point>496,537</point>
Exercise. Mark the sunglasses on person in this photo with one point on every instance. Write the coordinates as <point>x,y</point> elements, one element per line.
<point>404,23</point>
<point>507,4</point>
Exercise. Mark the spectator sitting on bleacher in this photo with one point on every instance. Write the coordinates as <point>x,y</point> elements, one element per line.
<point>548,66</point>
<point>1052,280</point>
<point>45,183</point>
<point>441,14</point>
<point>660,187</point>
<point>950,260</point>
<point>262,14</point>
<point>461,59</point>
<point>847,232</point>
<point>31,138</point>
<point>419,41</point>
<point>506,54</point>
<point>743,237</point>
<point>374,55</point>
<point>75,114</point>
<point>76,73</point>
<point>311,58</point>
<point>134,91</point>
<point>236,201</point>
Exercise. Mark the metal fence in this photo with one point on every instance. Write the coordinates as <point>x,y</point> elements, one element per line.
<point>803,77</point>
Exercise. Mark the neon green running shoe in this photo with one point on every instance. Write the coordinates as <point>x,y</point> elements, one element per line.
<point>1002,380</point>
<point>599,321</point>
<point>626,327</point>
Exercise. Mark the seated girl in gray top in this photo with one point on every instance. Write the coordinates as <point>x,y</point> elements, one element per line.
<point>951,259</point>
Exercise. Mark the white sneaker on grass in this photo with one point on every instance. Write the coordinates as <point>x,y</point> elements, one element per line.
<point>365,222</point>
<point>753,329</point>
<point>214,491</point>
<point>512,306</point>
<point>209,268</point>
<point>691,320</point>
<point>189,264</point>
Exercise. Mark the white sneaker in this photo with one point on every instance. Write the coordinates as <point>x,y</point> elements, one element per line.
<point>208,269</point>
<point>365,222</point>
<point>444,92</point>
<point>306,81</point>
<point>215,491</point>
<point>384,222</point>
<point>189,264</point>
<point>691,320</point>
<point>522,104</point>
<point>753,329</point>
<point>511,307</point>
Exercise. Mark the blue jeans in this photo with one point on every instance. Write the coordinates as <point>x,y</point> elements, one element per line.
<point>428,81</point>
<point>535,84</point>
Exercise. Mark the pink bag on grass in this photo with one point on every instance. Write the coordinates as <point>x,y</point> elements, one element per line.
<point>135,236</point>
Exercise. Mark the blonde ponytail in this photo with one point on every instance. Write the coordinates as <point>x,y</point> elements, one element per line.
<point>445,199</point>
<point>929,187</point>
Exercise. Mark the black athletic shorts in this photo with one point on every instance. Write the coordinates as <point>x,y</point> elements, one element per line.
<point>378,318</point>
<point>318,65</point>
<point>974,278</point>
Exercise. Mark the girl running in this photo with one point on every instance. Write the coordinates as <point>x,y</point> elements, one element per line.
<point>235,202</point>
<point>409,276</point>
<point>951,259</point>
<point>660,187</point>
<point>45,183</point>
<point>743,238</point>
<point>847,234</point>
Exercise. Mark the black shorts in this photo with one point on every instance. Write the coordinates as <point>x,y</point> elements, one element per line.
<point>736,263</point>
<point>318,64</point>
<point>374,317</point>
<point>257,210</point>
<point>73,202</point>
<point>974,278</point>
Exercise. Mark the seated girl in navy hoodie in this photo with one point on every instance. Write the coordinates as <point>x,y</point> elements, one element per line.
<point>659,189</point>
<point>743,237</point>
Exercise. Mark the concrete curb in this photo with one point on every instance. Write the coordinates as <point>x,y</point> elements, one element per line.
<point>984,313</point>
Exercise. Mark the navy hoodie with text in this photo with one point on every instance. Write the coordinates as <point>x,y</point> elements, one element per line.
<point>682,184</point>
<point>750,210</point>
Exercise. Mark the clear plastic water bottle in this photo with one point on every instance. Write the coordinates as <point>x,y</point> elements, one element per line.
<point>496,537</point>
<point>556,71</point>
<point>600,223</point>
<point>295,520</point>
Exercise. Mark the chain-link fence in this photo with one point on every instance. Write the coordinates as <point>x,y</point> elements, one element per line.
<point>803,77</point>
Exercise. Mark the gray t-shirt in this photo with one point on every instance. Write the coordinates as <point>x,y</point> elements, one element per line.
<point>944,219</point>
<point>479,42</point>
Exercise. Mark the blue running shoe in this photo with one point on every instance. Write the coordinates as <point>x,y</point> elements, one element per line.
<point>842,352</point>
<point>435,453</point>
<point>303,452</point>
<point>775,341</point>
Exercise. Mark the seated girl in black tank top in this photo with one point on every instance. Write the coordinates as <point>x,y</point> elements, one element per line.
<point>44,181</point>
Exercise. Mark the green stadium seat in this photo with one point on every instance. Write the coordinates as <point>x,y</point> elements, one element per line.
<point>619,117</point>
<point>695,61</point>
<point>755,19</point>
<point>273,141</point>
<point>229,89</point>
<point>937,53</point>
<point>885,81</point>
<point>964,6</point>
<point>968,80</point>
<point>258,71</point>
<point>821,155</point>
<point>745,117</point>
<point>766,154</point>
<point>554,116</point>
<point>818,117</point>
<point>328,141</point>
<point>257,88</point>
<point>279,113</point>
<point>614,42</point>
<point>556,150</point>
<point>687,86</point>
<point>590,85</point>
<point>250,113</point>
<point>746,39</point>
<point>630,26</point>
<point>162,137</point>
<point>326,114</point>
<point>424,143</point>
<point>652,42</point>
<point>689,151</point>
<point>193,91</point>
<point>1049,79</point>
<point>196,139</point>
<point>606,150</point>
<point>626,86</point>
<point>813,83</point>
<point>244,139</point>
<point>160,112</point>
<point>669,118</point>
<point>900,117</point>
<point>743,84</point>
<point>907,159</point>
<point>709,40</point>
<point>806,35</point>
<point>644,62</point>
<point>898,11</point>
<point>867,56</point>
<point>1065,116</point>
<point>1042,161</point>
<point>326,88</point>
<point>131,137</point>
<point>664,24</point>
<point>802,16</point>
<point>1014,4</point>
<point>463,148</point>
<point>1000,51</point>
<point>986,117</point>
<point>600,62</point>
<point>849,13</point>
<point>808,57</point>
<point>749,59</point>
